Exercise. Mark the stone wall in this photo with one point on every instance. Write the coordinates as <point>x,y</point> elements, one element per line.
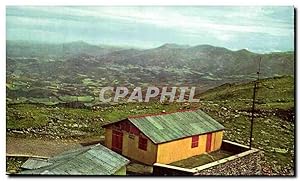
<point>245,165</point>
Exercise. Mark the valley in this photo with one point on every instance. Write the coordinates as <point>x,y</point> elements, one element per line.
<point>40,73</point>
<point>52,95</point>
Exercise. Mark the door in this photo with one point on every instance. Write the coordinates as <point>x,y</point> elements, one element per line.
<point>117,141</point>
<point>208,142</point>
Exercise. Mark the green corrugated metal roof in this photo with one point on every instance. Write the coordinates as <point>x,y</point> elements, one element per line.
<point>91,160</point>
<point>168,127</point>
<point>34,163</point>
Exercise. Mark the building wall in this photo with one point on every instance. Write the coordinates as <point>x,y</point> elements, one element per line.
<point>108,137</point>
<point>217,140</point>
<point>162,153</point>
<point>181,149</point>
<point>130,147</point>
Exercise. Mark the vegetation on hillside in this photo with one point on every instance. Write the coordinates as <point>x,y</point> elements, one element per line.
<point>58,73</point>
<point>52,91</point>
<point>274,127</point>
<point>230,104</point>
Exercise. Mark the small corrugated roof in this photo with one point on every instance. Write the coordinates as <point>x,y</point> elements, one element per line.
<point>90,160</point>
<point>35,163</point>
<point>168,127</point>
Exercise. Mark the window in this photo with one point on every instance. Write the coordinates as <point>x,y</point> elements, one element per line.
<point>142,143</point>
<point>195,141</point>
<point>131,136</point>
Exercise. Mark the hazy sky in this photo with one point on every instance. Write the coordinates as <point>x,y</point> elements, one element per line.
<point>259,29</point>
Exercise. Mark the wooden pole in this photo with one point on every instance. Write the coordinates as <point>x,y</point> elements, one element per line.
<point>253,102</point>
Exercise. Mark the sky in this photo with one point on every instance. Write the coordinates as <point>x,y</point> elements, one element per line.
<point>258,29</point>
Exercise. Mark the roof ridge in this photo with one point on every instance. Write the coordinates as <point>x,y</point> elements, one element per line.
<point>80,150</point>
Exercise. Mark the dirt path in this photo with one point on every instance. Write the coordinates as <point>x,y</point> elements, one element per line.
<point>37,147</point>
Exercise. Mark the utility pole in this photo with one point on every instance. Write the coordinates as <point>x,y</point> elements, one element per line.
<point>253,103</point>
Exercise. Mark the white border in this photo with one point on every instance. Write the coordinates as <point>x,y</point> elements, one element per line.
<point>106,3</point>
<point>152,2</point>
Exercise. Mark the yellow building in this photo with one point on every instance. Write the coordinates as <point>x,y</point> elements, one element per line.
<point>164,138</point>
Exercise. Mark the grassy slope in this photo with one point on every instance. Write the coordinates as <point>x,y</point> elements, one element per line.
<point>228,104</point>
<point>24,116</point>
<point>272,93</point>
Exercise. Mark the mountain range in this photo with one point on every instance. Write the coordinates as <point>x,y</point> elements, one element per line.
<point>80,69</point>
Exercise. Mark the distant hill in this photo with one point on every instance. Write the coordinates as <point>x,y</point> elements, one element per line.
<point>38,49</point>
<point>35,69</point>
<point>215,61</point>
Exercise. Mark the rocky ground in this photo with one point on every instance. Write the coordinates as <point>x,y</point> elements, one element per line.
<point>271,134</point>
<point>230,104</point>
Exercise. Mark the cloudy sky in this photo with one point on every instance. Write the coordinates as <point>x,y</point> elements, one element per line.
<point>259,29</point>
